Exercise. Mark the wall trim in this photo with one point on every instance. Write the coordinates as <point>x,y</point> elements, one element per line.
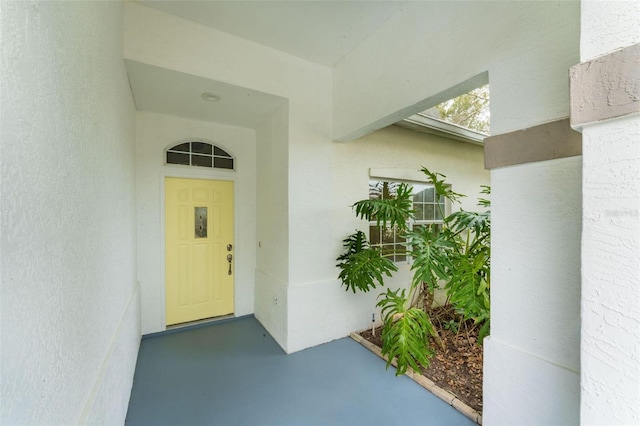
<point>398,174</point>
<point>109,358</point>
<point>606,87</point>
<point>547,141</point>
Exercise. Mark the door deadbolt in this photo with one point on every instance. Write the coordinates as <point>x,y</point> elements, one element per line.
<point>229,247</point>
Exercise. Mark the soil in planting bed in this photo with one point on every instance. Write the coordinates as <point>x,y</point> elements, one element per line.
<point>458,367</point>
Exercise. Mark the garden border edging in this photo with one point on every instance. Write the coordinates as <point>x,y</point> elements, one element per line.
<point>429,385</point>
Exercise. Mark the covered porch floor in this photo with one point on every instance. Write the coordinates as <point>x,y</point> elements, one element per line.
<point>234,373</point>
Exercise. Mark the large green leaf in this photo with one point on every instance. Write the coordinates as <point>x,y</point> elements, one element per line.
<point>468,285</point>
<point>365,269</point>
<point>442,188</point>
<point>354,243</point>
<point>405,332</point>
<point>430,250</point>
<point>391,212</point>
<point>478,222</point>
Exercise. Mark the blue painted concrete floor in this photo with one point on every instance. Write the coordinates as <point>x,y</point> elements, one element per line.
<point>234,373</point>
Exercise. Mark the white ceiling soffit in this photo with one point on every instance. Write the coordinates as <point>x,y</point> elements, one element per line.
<point>170,92</point>
<point>319,31</point>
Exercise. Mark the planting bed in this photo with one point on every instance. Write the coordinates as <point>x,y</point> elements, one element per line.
<point>458,367</point>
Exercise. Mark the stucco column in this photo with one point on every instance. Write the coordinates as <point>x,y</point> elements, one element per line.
<point>531,359</point>
<point>605,106</point>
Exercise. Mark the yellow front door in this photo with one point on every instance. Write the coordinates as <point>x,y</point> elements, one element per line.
<point>198,249</point>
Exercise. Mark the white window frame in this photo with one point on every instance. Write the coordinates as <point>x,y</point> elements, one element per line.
<point>422,185</point>
<point>191,154</point>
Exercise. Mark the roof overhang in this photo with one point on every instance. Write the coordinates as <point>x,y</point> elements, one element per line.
<point>424,123</point>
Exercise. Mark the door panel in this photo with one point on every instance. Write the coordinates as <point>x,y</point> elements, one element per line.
<point>198,228</point>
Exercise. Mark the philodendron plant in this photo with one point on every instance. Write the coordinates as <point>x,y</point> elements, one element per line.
<point>454,255</point>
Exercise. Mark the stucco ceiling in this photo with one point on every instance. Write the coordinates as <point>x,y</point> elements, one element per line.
<point>171,92</point>
<point>319,31</point>
<point>322,32</point>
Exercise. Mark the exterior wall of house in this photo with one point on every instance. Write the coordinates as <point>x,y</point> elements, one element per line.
<point>156,133</point>
<point>611,225</point>
<point>532,356</point>
<point>325,307</point>
<point>272,266</point>
<point>298,135</point>
<point>69,298</point>
<point>528,76</point>
<point>611,271</point>
<point>300,221</point>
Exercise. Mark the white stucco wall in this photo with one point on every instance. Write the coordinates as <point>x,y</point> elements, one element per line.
<point>429,47</point>
<point>272,220</point>
<point>323,305</point>
<point>532,359</point>
<point>606,26</point>
<point>519,248</point>
<point>156,133</point>
<point>611,237</point>
<point>69,299</point>
<point>404,150</point>
<point>611,273</point>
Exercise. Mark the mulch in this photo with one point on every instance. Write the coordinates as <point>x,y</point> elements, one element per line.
<point>458,367</point>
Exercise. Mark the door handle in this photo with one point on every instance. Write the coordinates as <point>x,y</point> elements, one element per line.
<point>229,259</point>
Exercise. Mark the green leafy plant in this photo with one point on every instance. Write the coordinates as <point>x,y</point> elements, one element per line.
<point>431,252</point>
<point>393,211</point>
<point>455,256</point>
<point>451,325</point>
<point>362,267</point>
<point>405,332</point>
<point>469,277</point>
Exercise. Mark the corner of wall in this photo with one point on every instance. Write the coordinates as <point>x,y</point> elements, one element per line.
<point>271,304</point>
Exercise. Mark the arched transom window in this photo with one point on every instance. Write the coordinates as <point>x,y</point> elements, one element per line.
<point>200,154</point>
